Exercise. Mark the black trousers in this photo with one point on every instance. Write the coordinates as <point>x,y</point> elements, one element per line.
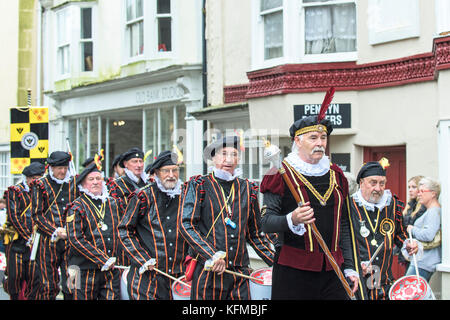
<point>293,284</point>
<point>150,285</point>
<point>93,284</point>
<point>50,257</point>
<point>17,267</point>
<point>208,285</point>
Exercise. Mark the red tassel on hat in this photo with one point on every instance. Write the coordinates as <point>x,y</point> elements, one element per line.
<point>325,104</point>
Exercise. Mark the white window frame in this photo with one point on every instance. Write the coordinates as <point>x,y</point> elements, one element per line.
<point>92,39</point>
<point>7,179</point>
<point>404,25</point>
<point>293,42</point>
<point>324,57</point>
<point>73,10</point>
<point>156,30</point>
<point>127,43</point>
<point>63,74</point>
<point>442,8</point>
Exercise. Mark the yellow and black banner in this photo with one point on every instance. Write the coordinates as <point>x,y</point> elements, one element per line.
<point>29,137</point>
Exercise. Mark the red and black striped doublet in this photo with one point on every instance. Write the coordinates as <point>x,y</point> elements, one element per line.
<point>92,244</point>
<point>17,252</point>
<point>149,230</point>
<point>124,188</point>
<point>49,200</point>
<point>204,202</point>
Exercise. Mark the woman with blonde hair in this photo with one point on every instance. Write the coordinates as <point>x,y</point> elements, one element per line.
<point>426,228</point>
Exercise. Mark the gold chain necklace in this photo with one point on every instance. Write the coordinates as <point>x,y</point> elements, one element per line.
<point>100,213</point>
<point>322,199</point>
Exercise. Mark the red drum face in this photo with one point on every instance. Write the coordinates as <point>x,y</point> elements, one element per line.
<point>180,291</point>
<point>409,288</point>
<point>264,276</point>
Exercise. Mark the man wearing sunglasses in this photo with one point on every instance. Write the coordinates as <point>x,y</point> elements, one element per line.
<point>377,224</point>
<point>150,234</point>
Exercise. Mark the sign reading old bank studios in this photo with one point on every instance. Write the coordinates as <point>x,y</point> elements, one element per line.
<point>338,113</point>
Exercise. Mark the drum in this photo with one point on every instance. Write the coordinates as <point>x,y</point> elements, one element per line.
<point>123,285</point>
<point>410,288</point>
<point>2,261</point>
<point>181,291</point>
<point>262,289</point>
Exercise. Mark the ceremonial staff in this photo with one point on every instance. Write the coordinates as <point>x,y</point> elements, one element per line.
<point>271,153</point>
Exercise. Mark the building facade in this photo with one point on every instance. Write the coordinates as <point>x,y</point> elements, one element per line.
<point>19,71</point>
<point>273,60</point>
<point>121,74</point>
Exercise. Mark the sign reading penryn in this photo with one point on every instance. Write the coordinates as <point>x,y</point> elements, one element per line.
<point>338,113</point>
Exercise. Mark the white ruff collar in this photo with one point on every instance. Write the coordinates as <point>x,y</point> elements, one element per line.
<point>104,196</point>
<point>384,201</point>
<point>225,175</point>
<point>58,181</point>
<point>170,192</point>
<point>308,169</point>
<point>133,177</point>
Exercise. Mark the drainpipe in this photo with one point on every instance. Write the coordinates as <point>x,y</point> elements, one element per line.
<point>204,77</point>
<point>39,54</point>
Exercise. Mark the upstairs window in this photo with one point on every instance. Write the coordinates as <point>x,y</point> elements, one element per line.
<point>63,30</point>
<point>330,26</point>
<point>86,41</point>
<point>135,27</point>
<point>271,12</point>
<point>164,20</point>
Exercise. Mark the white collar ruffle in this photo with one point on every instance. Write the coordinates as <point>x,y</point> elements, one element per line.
<point>225,175</point>
<point>384,201</point>
<point>135,178</point>
<point>170,192</point>
<point>104,196</point>
<point>58,181</point>
<point>308,169</point>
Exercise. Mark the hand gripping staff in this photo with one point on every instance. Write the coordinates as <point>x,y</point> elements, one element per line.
<point>272,152</point>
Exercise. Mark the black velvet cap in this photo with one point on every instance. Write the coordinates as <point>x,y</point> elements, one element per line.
<point>130,154</point>
<point>372,168</point>
<point>90,168</point>
<point>59,159</point>
<point>230,141</point>
<point>165,158</point>
<point>309,124</point>
<point>34,169</point>
<point>87,162</point>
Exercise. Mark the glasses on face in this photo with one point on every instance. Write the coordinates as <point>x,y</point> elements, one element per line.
<point>167,171</point>
<point>424,190</point>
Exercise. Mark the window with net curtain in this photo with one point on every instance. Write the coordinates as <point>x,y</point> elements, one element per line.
<point>329,28</point>
<point>271,12</point>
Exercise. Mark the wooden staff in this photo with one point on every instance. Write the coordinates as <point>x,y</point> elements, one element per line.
<point>242,275</point>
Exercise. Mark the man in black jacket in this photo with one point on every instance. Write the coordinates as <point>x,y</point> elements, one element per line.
<point>50,196</point>
<point>18,205</point>
<point>92,221</point>
<point>220,216</point>
<point>150,233</point>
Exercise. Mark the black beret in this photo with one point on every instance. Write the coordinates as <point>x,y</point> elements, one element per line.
<point>309,124</point>
<point>116,160</point>
<point>372,168</point>
<point>34,169</point>
<point>130,154</point>
<point>148,168</point>
<point>90,168</point>
<point>165,158</point>
<point>59,159</point>
<point>230,141</point>
<point>87,162</point>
